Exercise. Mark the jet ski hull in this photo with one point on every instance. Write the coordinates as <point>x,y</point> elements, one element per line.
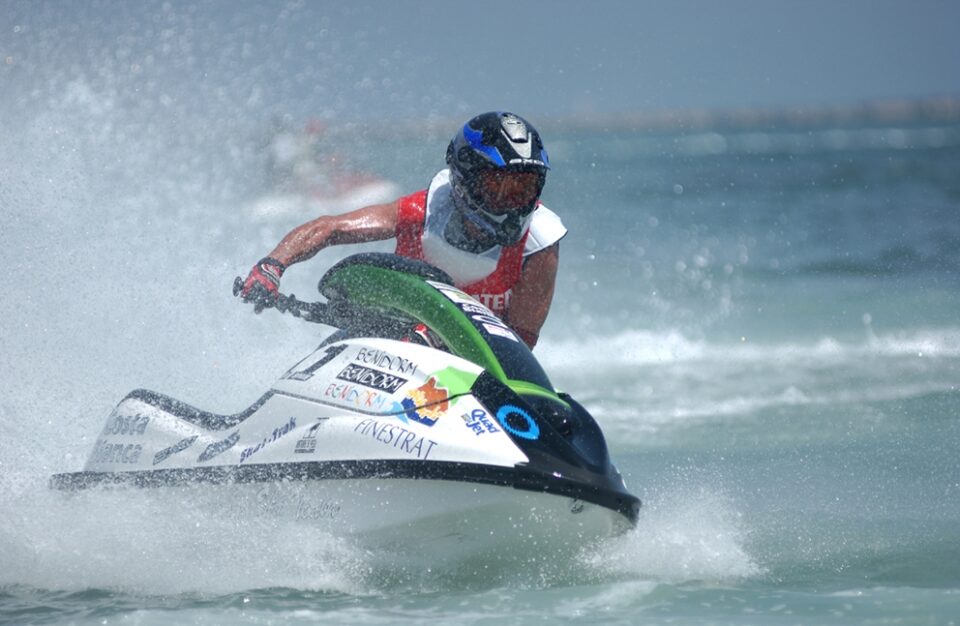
<point>416,522</point>
<point>465,447</point>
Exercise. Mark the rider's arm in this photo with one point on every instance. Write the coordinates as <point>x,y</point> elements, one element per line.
<point>371,223</point>
<point>531,297</point>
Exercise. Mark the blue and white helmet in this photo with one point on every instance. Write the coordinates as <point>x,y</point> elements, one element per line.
<point>497,143</point>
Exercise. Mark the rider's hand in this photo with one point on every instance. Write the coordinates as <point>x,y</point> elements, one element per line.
<point>262,285</point>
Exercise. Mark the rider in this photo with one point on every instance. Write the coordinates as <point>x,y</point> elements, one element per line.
<point>480,220</point>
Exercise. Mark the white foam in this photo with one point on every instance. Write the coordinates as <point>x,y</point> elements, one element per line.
<point>641,347</point>
<point>687,533</point>
<point>651,383</point>
<point>159,542</point>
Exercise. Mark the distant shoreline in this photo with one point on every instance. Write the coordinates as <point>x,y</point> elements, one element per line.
<point>879,113</point>
<point>941,110</point>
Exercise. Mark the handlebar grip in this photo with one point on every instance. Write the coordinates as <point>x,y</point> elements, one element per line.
<point>308,311</point>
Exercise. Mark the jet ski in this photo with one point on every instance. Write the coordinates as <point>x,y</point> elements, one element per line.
<point>422,420</point>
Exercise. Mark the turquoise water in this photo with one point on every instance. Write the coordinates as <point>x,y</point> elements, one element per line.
<point>773,352</point>
<point>763,320</point>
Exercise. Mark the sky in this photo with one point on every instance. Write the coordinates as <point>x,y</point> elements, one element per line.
<point>369,59</point>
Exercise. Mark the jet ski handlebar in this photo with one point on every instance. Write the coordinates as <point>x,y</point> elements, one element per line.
<point>308,311</point>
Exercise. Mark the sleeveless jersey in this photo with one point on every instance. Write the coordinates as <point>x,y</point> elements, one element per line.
<point>488,276</point>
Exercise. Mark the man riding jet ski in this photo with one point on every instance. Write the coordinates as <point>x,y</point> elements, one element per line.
<point>460,448</point>
<point>480,220</point>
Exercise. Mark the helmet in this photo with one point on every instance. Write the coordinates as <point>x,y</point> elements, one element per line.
<point>497,170</point>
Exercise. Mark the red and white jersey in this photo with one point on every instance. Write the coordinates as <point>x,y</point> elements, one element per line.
<point>488,276</point>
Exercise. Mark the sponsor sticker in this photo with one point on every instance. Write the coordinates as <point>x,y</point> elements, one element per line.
<point>180,446</point>
<point>127,425</point>
<point>500,331</point>
<point>369,377</point>
<point>361,397</point>
<point>277,434</point>
<point>483,317</point>
<point>219,447</point>
<point>302,507</point>
<point>427,403</point>
<point>308,443</point>
<point>316,510</point>
<point>454,295</point>
<point>386,361</point>
<point>396,437</point>
<point>106,452</point>
<point>479,422</point>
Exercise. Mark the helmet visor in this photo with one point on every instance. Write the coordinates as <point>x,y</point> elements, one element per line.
<point>503,192</point>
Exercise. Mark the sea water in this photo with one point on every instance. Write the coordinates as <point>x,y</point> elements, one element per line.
<point>764,320</point>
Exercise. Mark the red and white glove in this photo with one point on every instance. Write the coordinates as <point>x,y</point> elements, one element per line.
<point>262,285</point>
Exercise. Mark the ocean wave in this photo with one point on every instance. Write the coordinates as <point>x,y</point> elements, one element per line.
<point>689,533</point>
<point>821,140</point>
<point>892,261</point>
<point>643,347</point>
<point>652,386</point>
<point>712,143</point>
<point>130,541</point>
<point>635,418</point>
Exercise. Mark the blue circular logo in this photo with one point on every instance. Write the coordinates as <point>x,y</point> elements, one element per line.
<point>506,411</point>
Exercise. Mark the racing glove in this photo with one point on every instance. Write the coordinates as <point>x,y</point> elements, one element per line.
<point>262,285</point>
